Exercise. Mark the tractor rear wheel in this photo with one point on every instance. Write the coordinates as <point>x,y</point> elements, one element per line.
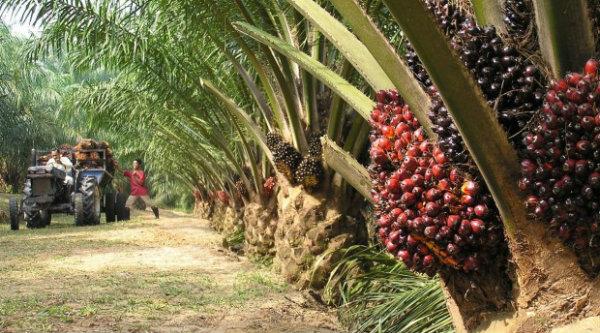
<point>123,213</point>
<point>110,207</point>
<point>13,211</point>
<point>87,203</point>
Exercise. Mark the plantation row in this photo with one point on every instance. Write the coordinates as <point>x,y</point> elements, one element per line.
<point>460,137</point>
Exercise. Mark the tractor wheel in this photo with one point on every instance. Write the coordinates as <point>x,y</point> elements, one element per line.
<point>46,217</point>
<point>110,207</point>
<point>34,219</point>
<point>78,209</point>
<point>123,213</point>
<point>87,203</point>
<point>13,210</point>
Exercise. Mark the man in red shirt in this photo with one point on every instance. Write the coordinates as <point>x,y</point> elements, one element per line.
<point>137,177</point>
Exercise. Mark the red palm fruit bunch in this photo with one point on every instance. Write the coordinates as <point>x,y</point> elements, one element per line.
<point>269,186</point>
<point>429,213</point>
<point>560,163</point>
<point>223,197</point>
<point>197,194</point>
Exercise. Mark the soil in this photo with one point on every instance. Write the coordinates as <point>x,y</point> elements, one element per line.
<point>170,275</point>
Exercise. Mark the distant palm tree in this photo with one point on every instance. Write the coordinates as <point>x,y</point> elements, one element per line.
<point>29,98</point>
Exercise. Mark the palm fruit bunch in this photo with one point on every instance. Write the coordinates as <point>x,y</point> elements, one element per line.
<point>240,187</point>
<point>314,145</point>
<point>509,81</point>
<point>286,157</point>
<point>560,163</point>
<point>519,18</point>
<point>450,18</point>
<point>111,163</point>
<point>67,151</point>
<point>269,186</point>
<point>310,173</point>
<point>223,197</point>
<point>94,159</point>
<point>86,144</point>
<point>273,140</point>
<point>82,157</point>
<point>430,214</point>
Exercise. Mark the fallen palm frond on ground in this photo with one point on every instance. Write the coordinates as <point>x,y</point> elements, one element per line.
<point>376,293</point>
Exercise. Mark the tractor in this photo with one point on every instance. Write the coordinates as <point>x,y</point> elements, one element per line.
<point>46,192</point>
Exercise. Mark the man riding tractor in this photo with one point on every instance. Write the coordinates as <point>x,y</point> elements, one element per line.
<point>61,163</point>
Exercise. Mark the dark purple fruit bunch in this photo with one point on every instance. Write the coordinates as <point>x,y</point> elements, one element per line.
<point>509,81</point>
<point>273,140</point>
<point>449,138</point>
<point>560,163</point>
<point>310,173</point>
<point>450,18</point>
<point>241,188</point>
<point>511,84</point>
<point>519,18</point>
<point>314,145</point>
<point>286,157</point>
<point>430,214</point>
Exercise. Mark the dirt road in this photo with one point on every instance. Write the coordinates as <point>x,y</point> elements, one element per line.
<point>169,275</point>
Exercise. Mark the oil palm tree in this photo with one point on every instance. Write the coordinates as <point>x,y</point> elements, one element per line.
<point>484,138</point>
<point>29,96</point>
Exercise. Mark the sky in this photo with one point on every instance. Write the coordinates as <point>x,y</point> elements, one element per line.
<point>18,28</point>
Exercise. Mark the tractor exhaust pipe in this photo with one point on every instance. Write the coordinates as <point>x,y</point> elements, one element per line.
<point>33,158</point>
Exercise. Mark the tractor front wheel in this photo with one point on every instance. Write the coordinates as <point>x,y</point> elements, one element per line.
<point>34,219</point>
<point>87,203</point>
<point>13,210</point>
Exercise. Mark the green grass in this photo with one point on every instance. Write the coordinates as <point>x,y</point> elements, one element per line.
<point>254,285</point>
<point>41,290</point>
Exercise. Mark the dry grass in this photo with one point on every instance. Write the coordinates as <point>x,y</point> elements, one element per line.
<point>141,276</point>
